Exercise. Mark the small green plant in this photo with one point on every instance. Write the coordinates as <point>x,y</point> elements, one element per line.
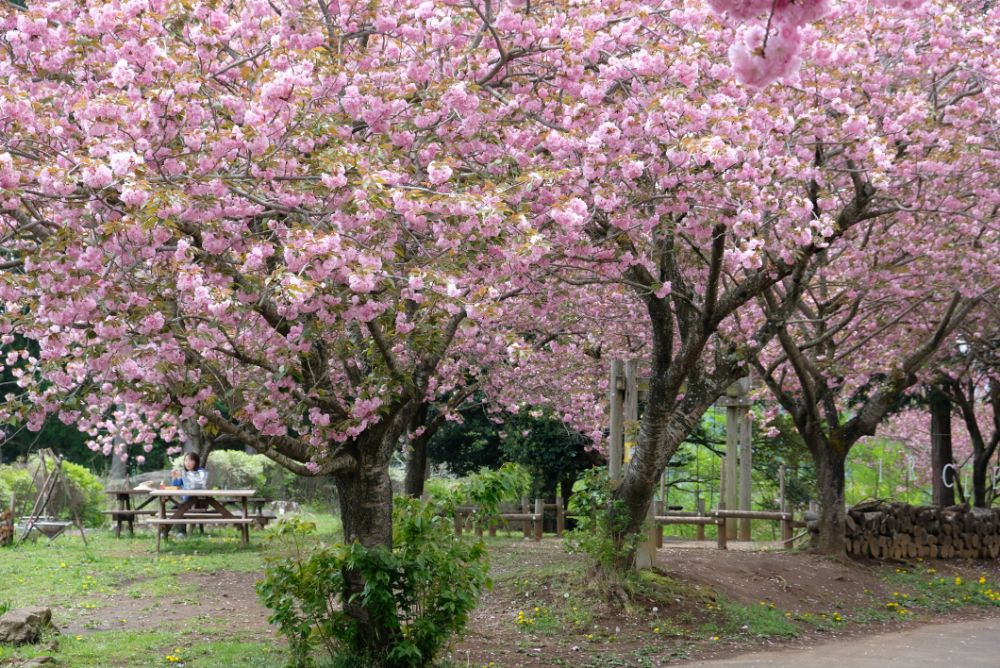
<point>538,619</point>
<point>4,607</point>
<point>418,595</point>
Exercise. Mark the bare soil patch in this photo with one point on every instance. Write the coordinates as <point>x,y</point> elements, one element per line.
<point>675,620</point>
<point>213,599</point>
<point>670,628</point>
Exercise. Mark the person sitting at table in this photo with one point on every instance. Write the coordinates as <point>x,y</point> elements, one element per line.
<point>193,477</point>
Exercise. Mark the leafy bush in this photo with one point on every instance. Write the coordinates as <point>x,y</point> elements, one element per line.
<point>15,479</point>
<point>485,489</point>
<point>233,469</point>
<point>86,494</point>
<point>421,592</point>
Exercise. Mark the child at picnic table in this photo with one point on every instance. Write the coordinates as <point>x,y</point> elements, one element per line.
<point>192,477</point>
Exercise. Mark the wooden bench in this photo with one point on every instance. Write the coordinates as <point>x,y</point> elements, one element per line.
<point>202,519</point>
<point>128,513</point>
<point>262,518</point>
<point>242,522</point>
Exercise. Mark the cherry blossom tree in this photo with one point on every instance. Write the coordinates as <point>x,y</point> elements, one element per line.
<point>706,195</point>
<point>297,223</point>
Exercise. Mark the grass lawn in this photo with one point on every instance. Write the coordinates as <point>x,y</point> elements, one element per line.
<point>118,603</point>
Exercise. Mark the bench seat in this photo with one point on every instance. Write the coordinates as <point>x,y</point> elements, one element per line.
<point>202,520</point>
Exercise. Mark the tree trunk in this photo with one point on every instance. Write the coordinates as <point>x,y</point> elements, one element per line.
<point>416,467</point>
<point>941,454</point>
<point>416,460</point>
<point>365,497</point>
<point>832,512</point>
<point>196,441</point>
<point>118,477</point>
<point>980,466</point>
<point>662,428</point>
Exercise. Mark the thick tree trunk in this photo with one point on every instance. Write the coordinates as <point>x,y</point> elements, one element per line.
<point>635,494</point>
<point>365,497</point>
<point>941,454</point>
<point>832,512</point>
<point>660,434</point>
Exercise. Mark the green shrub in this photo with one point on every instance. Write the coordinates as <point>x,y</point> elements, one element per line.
<point>421,591</point>
<point>234,469</point>
<point>486,489</point>
<point>598,531</point>
<point>15,479</point>
<point>86,495</point>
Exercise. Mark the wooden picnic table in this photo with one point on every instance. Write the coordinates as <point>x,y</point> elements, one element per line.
<point>127,511</point>
<point>188,511</point>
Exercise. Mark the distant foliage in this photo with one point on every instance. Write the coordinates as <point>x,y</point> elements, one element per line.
<point>85,490</point>
<point>15,479</point>
<point>235,469</point>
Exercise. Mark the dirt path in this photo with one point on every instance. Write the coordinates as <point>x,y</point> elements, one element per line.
<point>959,645</point>
<point>214,598</point>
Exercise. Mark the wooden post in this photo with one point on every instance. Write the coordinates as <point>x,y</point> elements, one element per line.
<point>720,524</point>
<point>746,482</point>
<point>526,510</point>
<point>540,519</point>
<point>700,535</point>
<point>664,487</point>
<point>658,506</point>
<point>459,521</point>
<point>493,529</point>
<point>731,496</point>
<point>781,489</point>
<point>615,442</point>
<point>560,516</point>
<point>631,409</point>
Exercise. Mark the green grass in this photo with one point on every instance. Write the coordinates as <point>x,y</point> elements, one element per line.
<point>924,588</point>
<point>83,584</point>
<point>759,621</point>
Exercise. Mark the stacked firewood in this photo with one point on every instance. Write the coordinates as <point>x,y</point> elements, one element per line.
<point>884,530</point>
<point>6,527</point>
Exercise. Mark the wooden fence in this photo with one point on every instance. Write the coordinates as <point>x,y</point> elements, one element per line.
<point>718,518</point>
<point>530,518</point>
